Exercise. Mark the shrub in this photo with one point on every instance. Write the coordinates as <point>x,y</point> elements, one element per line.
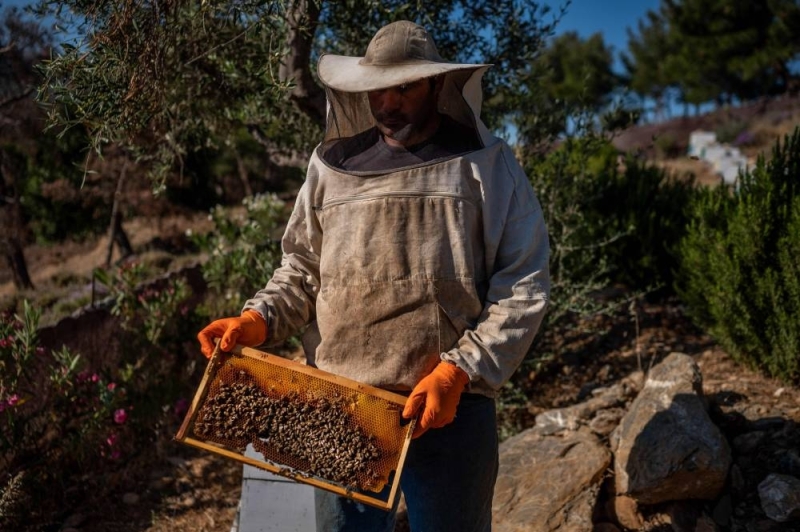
<point>58,420</point>
<point>243,251</point>
<point>63,421</point>
<point>729,131</point>
<point>739,273</point>
<point>667,146</point>
<point>609,221</point>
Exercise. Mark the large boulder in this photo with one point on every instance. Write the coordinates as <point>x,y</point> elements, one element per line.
<point>666,447</point>
<point>548,483</point>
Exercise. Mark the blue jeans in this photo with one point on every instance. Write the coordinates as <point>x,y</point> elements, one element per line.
<point>448,480</point>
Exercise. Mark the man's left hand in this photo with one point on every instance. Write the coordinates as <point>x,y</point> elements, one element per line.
<point>438,395</point>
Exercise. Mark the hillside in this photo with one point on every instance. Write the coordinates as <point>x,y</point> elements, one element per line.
<point>173,488</point>
<point>753,128</point>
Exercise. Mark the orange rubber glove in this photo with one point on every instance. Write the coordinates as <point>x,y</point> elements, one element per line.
<point>439,393</point>
<point>249,329</point>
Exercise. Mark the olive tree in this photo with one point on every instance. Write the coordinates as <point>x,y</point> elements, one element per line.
<point>166,79</point>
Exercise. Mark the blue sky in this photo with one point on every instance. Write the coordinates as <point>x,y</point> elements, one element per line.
<point>612,18</point>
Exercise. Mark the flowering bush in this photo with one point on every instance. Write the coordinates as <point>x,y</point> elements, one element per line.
<point>148,310</point>
<point>56,418</point>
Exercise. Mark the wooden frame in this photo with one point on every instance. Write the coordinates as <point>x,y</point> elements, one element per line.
<point>217,361</point>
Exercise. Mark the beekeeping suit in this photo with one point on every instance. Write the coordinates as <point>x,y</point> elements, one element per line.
<point>395,270</point>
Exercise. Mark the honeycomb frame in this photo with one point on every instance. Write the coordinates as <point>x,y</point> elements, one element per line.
<point>373,411</point>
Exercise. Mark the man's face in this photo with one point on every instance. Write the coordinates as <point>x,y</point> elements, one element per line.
<point>406,114</point>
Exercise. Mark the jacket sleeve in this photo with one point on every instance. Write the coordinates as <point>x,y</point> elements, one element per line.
<point>517,243</point>
<point>288,301</point>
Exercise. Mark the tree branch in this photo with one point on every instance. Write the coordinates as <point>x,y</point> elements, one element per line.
<point>17,97</point>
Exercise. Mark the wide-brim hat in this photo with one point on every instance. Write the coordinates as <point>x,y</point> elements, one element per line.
<point>400,52</point>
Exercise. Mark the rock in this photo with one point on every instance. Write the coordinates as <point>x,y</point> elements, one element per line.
<point>683,515</point>
<point>768,423</point>
<point>705,524</point>
<point>548,483</point>
<point>130,499</point>
<point>746,443</point>
<point>575,416</point>
<point>188,502</point>
<point>605,527</point>
<point>789,462</point>
<point>723,510</point>
<point>160,484</point>
<point>74,520</point>
<point>626,512</point>
<point>605,421</point>
<point>666,447</point>
<point>738,484</point>
<point>780,497</point>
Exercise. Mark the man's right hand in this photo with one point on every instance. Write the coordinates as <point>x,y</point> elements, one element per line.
<point>249,329</point>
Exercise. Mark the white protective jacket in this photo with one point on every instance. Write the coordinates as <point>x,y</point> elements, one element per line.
<point>394,271</point>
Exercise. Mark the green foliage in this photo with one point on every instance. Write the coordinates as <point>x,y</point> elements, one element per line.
<point>61,419</point>
<point>739,263</point>
<point>666,146</point>
<point>571,80</point>
<point>59,200</point>
<point>714,50</point>
<point>730,130</point>
<point>578,71</point>
<point>145,310</point>
<point>242,252</point>
<point>644,60</point>
<point>610,220</point>
<point>56,418</point>
<point>164,79</point>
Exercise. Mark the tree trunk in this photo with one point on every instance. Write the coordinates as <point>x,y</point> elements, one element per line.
<point>15,258</point>
<point>242,169</point>
<point>306,94</point>
<point>116,233</point>
<point>12,222</point>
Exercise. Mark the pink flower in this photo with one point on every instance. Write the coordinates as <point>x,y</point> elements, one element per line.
<point>95,377</point>
<point>120,416</point>
<point>4,342</point>
<point>112,439</point>
<point>13,400</point>
<point>111,386</point>
<point>40,351</point>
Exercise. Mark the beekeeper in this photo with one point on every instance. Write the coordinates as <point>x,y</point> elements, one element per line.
<point>417,255</point>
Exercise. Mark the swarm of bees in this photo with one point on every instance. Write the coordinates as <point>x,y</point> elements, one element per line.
<point>316,436</point>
